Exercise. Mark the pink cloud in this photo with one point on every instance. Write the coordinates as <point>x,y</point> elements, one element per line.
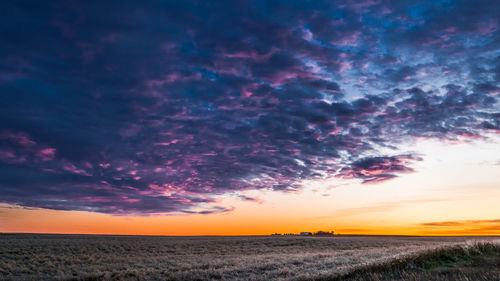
<point>350,40</point>
<point>254,56</point>
<point>19,138</point>
<point>73,169</point>
<point>11,157</point>
<point>46,154</point>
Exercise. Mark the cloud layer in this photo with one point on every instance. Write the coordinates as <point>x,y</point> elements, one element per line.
<point>113,108</point>
<point>464,226</point>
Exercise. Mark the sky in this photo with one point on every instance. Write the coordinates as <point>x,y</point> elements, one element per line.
<point>250,117</point>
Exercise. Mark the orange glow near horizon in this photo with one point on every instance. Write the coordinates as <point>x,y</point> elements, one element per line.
<point>444,197</point>
<point>19,220</point>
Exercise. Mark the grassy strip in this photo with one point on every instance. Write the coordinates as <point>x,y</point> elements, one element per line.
<point>480,261</point>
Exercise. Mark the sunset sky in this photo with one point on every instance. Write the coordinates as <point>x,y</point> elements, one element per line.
<point>250,117</point>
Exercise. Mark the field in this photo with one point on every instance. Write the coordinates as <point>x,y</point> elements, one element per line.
<point>92,257</point>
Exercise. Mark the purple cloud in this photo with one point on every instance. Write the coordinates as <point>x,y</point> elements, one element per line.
<point>378,169</point>
<point>161,108</point>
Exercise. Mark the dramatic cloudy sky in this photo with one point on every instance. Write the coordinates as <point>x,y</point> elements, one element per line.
<point>165,107</point>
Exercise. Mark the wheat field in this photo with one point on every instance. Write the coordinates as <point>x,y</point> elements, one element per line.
<point>97,257</point>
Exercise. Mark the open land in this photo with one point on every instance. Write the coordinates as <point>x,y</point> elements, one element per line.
<point>103,257</point>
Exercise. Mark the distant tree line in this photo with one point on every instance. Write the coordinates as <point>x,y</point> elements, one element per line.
<point>323,233</point>
<point>317,233</point>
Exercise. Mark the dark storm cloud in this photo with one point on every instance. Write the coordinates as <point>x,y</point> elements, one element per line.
<point>115,108</point>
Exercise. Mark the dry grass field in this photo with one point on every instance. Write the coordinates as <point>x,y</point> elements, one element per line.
<point>92,257</point>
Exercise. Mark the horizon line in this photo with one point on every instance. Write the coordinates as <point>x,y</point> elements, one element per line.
<point>247,235</point>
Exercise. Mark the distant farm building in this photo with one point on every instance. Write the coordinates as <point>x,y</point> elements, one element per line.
<point>305,233</point>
